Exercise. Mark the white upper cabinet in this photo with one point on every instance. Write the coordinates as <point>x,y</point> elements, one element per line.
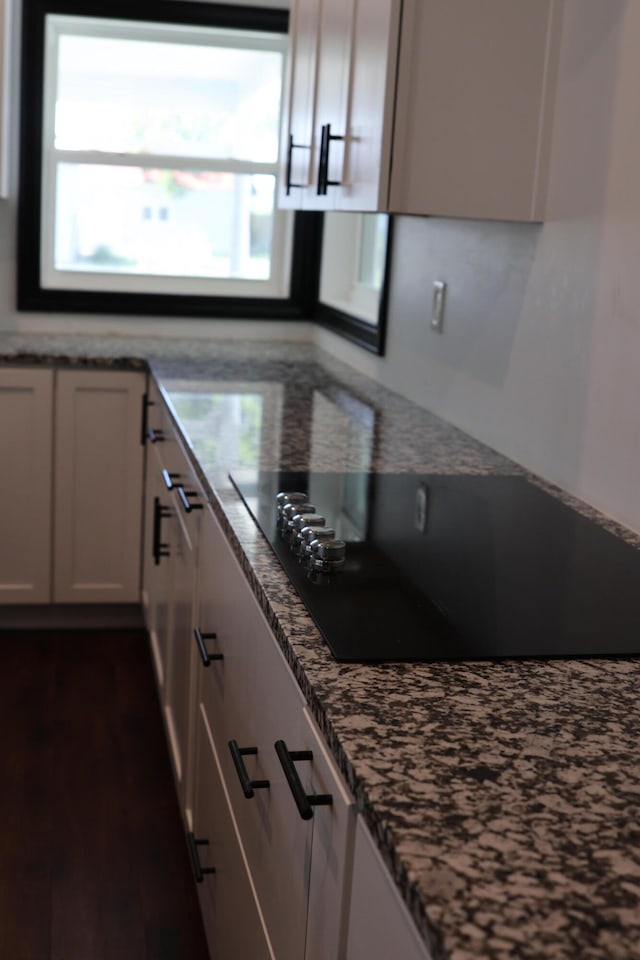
<point>429,107</point>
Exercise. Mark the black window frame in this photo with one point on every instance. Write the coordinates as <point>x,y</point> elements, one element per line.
<point>31,295</point>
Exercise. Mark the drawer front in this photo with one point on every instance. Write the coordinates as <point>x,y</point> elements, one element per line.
<point>232,919</point>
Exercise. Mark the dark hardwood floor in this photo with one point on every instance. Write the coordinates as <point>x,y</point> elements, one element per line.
<point>93,860</point>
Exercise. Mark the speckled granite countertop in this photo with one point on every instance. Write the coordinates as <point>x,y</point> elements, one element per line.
<point>504,796</point>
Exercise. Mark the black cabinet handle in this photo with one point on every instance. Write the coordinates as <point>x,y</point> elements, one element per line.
<point>155,436</point>
<point>169,478</point>
<point>293,146</point>
<point>146,403</point>
<point>198,869</point>
<point>323,163</point>
<point>248,785</point>
<point>159,549</point>
<point>184,499</point>
<point>305,802</point>
<point>205,656</point>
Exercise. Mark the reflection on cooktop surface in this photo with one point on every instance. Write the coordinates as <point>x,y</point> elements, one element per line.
<point>458,567</point>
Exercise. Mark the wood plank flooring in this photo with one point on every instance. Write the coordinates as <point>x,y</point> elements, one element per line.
<point>93,860</point>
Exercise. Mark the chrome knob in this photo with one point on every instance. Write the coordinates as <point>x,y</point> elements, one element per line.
<point>291,508</point>
<point>290,496</point>
<point>301,520</point>
<point>328,554</point>
<point>307,534</point>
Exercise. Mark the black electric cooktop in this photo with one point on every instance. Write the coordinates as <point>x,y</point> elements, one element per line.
<point>443,567</point>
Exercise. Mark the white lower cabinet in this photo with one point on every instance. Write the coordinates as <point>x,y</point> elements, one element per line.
<point>294,816</point>
<point>174,508</point>
<point>271,824</point>
<point>380,926</point>
<point>97,486</point>
<point>26,442</point>
<point>71,485</point>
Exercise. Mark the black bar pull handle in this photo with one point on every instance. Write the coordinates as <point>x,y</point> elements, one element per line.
<point>146,403</point>
<point>158,548</point>
<point>169,478</point>
<point>184,499</point>
<point>198,869</point>
<point>305,802</point>
<point>205,656</point>
<point>326,138</point>
<point>248,785</point>
<point>155,436</point>
<point>293,146</point>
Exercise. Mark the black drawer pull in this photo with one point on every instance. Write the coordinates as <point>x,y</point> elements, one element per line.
<point>155,436</point>
<point>205,656</point>
<point>323,162</point>
<point>293,146</point>
<point>305,802</point>
<point>146,403</point>
<point>198,869</point>
<point>248,785</point>
<point>159,549</point>
<point>169,478</point>
<point>184,499</point>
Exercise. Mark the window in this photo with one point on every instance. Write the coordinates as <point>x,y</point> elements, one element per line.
<point>356,253</point>
<point>150,186</point>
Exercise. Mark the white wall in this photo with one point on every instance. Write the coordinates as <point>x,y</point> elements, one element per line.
<point>540,353</point>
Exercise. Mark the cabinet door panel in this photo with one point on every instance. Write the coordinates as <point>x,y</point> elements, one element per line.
<point>304,35</point>
<point>98,487</point>
<point>179,652</point>
<point>379,924</point>
<point>333,836</point>
<point>225,683</point>
<point>156,594</point>
<point>251,697</point>
<point>232,918</point>
<point>474,142</point>
<point>372,104</point>
<point>25,485</point>
<point>332,96</point>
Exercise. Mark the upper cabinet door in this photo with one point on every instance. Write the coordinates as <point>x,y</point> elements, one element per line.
<point>316,115</point>
<point>474,108</point>
<point>331,127</point>
<point>429,107</point>
<point>296,146</point>
<point>374,60</point>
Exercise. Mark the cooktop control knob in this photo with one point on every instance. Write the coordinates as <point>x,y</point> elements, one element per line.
<point>301,520</point>
<point>328,554</point>
<point>290,496</point>
<point>307,534</point>
<point>290,510</point>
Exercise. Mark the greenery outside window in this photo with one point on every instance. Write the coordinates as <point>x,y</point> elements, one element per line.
<point>149,185</point>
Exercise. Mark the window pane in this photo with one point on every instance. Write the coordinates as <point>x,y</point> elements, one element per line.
<point>172,99</point>
<point>138,220</point>
<point>373,246</point>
